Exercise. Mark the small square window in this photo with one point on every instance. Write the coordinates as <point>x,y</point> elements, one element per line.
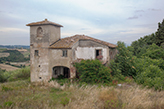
<point>36,53</point>
<point>99,54</point>
<point>64,53</point>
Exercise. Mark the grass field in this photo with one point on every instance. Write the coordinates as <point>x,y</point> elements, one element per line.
<point>50,95</point>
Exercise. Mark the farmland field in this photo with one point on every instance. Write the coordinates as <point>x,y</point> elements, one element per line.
<point>8,67</point>
<point>4,54</point>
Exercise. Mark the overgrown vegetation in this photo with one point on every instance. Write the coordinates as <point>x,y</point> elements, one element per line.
<point>93,71</point>
<point>15,75</point>
<point>2,77</point>
<point>143,60</point>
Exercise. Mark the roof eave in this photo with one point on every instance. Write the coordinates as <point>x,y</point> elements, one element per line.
<point>60,47</point>
<point>43,24</point>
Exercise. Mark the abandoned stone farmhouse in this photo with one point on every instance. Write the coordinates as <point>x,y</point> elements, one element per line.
<point>51,55</point>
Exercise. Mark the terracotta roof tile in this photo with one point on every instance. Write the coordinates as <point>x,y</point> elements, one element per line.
<point>68,42</point>
<point>44,22</point>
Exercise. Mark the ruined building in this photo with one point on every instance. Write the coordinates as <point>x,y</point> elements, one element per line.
<point>51,55</point>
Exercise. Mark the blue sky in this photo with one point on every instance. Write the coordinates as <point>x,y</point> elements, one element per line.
<point>108,20</point>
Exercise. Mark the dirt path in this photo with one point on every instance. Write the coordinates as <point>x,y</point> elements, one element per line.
<point>7,67</point>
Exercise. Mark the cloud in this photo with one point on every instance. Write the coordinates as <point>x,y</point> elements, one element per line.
<point>152,9</point>
<point>110,20</point>
<point>137,11</point>
<point>134,17</point>
<point>136,31</point>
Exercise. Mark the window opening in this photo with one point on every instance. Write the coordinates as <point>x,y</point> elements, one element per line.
<point>64,53</point>
<point>99,54</point>
<point>36,53</point>
<point>55,72</point>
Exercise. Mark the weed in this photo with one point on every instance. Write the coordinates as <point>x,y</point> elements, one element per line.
<point>64,101</point>
<point>4,88</point>
<point>109,99</point>
<point>8,103</point>
<point>54,90</point>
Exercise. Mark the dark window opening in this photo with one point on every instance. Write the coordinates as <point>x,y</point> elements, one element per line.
<point>55,72</point>
<point>99,54</point>
<point>36,53</point>
<point>61,71</point>
<point>66,72</point>
<point>40,77</point>
<point>64,53</point>
<point>39,65</point>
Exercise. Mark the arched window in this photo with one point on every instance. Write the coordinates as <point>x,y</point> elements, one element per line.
<point>39,32</point>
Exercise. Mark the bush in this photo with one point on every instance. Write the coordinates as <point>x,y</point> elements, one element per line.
<point>93,71</point>
<point>2,76</point>
<point>123,63</point>
<point>141,64</point>
<point>19,74</point>
<point>152,76</point>
<point>23,73</point>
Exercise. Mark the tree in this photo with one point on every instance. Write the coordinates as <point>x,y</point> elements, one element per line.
<point>124,62</point>
<point>160,34</point>
<point>142,44</point>
<point>154,52</point>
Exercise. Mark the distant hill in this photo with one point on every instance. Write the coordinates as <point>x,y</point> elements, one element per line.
<point>15,56</point>
<point>15,46</point>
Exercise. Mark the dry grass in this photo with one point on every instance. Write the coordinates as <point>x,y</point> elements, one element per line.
<point>23,94</point>
<point>4,54</point>
<point>8,67</point>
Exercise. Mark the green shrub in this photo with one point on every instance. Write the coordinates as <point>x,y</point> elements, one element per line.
<point>20,74</point>
<point>123,63</point>
<point>93,71</point>
<point>152,76</point>
<point>3,78</point>
<point>142,63</point>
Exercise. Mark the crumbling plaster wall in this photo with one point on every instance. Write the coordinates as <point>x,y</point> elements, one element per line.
<point>40,64</point>
<point>56,59</point>
<point>87,50</point>
<point>90,53</point>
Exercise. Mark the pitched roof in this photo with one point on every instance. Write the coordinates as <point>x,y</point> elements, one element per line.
<point>44,22</point>
<point>68,42</point>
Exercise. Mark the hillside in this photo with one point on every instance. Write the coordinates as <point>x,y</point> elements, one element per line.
<point>15,56</point>
<point>8,67</point>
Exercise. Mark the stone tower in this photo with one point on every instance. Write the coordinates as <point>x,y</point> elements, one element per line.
<point>42,35</point>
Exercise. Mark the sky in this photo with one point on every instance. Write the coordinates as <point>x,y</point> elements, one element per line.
<point>107,20</point>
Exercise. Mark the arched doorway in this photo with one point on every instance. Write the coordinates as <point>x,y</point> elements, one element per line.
<point>60,70</point>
